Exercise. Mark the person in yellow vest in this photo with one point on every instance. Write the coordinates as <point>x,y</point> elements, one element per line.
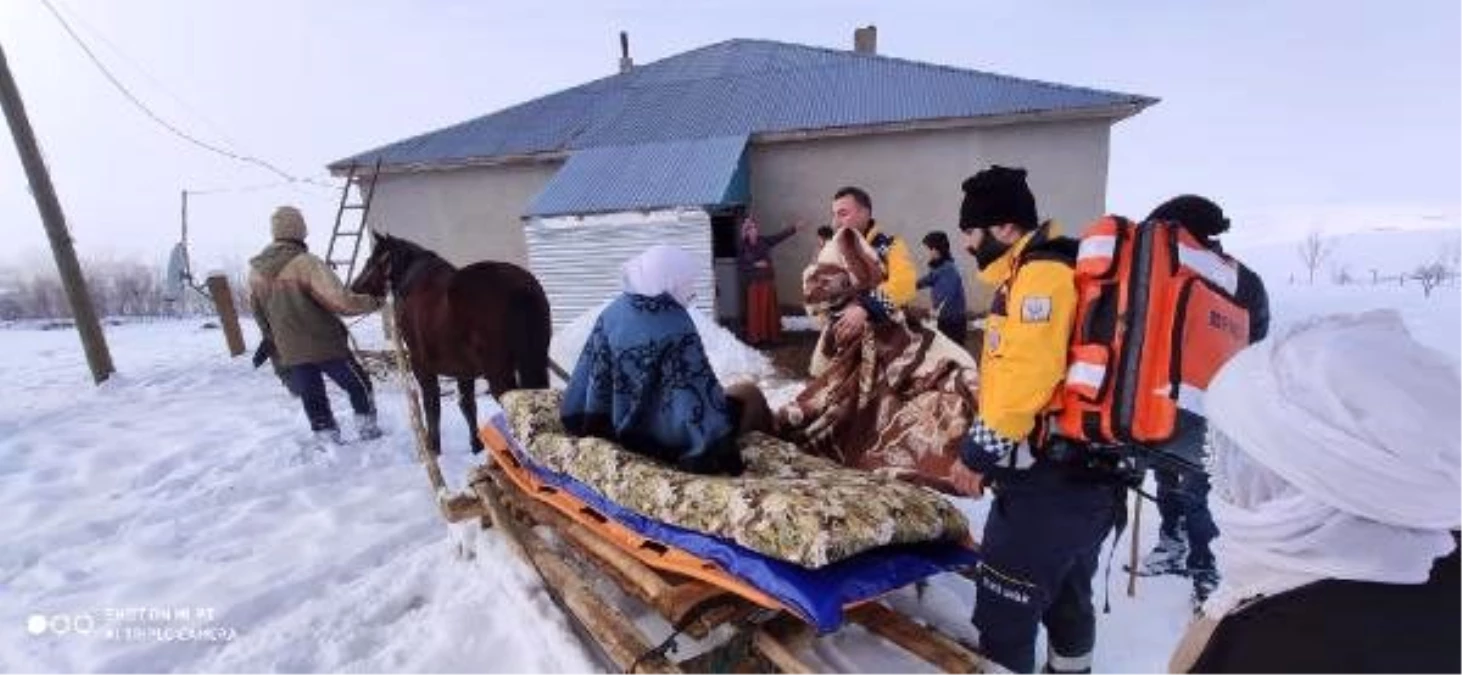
<point>852,207</point>
<point>1051,512</point>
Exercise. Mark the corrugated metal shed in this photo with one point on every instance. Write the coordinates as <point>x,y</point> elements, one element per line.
<point>740,88</point>
<point>578,260</point>
<point>651,175</point>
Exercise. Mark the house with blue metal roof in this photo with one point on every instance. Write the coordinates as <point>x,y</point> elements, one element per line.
<point>676,151</point>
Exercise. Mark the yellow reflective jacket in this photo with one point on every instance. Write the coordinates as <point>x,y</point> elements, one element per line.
<point>1027,334</point>
<point>900,275</point>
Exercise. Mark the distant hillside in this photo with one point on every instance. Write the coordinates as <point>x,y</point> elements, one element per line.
<point>1389,252</point>
<point>1282,224</point>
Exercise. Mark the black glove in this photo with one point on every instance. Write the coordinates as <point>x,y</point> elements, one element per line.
<point>265,350</point>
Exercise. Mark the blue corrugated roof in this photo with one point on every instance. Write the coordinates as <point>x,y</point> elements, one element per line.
<point>700,172</point>
<point>738,88</point>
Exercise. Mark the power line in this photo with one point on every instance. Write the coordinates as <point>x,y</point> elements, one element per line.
<point>81,21</point>
<point>243,188</point>
<point>247,159</point>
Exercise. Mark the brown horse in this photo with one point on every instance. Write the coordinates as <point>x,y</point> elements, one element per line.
<point>489,319</point>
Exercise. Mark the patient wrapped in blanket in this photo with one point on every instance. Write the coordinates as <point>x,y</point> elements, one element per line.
<point>898,399</point>
<point>643,379</point>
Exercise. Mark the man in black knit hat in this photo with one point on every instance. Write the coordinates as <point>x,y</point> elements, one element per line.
<point>1187,527</point>
<point>1041,540</point>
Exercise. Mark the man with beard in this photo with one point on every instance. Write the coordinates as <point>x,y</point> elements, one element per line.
<point>1052,511</point>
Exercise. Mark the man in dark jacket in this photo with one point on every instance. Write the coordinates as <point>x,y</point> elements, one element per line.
<point>1336,626</point>
<point>946,288</point>
<point>295,298</point>
<point>1039,550</point>
<point>1187,527</point>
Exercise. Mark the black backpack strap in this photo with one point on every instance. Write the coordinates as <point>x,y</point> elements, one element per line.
<point>1043,246</point>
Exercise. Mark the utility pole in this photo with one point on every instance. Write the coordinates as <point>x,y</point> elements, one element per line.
<point>187,264</point>
<point>92,339</point>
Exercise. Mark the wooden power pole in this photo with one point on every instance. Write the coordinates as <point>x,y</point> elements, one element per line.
<point>92,339</point>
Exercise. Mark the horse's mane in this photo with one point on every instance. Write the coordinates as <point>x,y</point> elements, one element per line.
<point>415,252</point>
<point>410,261</point>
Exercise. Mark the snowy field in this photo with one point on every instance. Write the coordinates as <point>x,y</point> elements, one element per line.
<point>181,484</point>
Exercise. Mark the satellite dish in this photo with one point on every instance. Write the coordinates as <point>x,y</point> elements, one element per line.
<point>177,274</point>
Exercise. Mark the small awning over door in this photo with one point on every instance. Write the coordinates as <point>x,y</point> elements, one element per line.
<point>704,173</point>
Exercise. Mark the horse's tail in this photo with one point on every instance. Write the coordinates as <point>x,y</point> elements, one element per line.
<point>530,346</point>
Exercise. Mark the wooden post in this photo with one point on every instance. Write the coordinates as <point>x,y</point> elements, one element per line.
<point>228,315</point>
<point>1136,530</point>
<point>93,341</point>
<point>187,264</point>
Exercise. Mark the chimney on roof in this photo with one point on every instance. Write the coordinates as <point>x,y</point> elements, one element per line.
<point>625,62</point>
<point>865,40</point>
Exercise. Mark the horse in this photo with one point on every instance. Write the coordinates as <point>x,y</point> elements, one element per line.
<point>488,319</point>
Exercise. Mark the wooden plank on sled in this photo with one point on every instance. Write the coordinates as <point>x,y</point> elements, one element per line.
<point>779,641</point>
<point>461,506</point>
<point>615,633</point>
<point>922,641</point>
<point>672,600</point>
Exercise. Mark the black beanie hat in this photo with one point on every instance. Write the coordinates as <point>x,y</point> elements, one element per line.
<point>996,196</point>
<point>1198,215</point>
<point>938,241</point>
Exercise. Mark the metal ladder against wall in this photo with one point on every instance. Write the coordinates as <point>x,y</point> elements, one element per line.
<point>348,235</point>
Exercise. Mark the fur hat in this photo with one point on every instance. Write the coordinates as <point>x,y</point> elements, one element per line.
<point>288,223</point>
<point>996,196</point>
<point>1198,215</point>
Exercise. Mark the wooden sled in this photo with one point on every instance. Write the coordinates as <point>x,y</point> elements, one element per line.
<point>693,595</point>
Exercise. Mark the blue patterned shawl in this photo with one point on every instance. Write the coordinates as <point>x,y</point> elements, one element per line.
<point>643,381</point>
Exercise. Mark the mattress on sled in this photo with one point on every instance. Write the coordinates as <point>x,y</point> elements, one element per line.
<point>788,505</point>
<point>819,596</point>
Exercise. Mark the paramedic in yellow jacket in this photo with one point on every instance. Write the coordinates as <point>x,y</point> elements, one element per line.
<point>852,207</point>
<point>1039,549</point>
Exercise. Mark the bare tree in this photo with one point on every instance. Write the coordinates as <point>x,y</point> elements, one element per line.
<point>116,287</point>
<point>43,298</point>
<point>1430,276</point>
<point>1314,250</point>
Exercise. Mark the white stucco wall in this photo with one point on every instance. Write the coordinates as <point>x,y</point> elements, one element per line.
<point>465,215</point>
<point>914,179</point>
<point>473,214</point>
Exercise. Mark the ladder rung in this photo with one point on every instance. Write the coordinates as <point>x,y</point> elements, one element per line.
<point>348,233</point>
<point>352,207</point>
<point>337,263</point>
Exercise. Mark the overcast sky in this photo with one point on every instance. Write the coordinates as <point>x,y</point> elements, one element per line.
<point>1308,114</point>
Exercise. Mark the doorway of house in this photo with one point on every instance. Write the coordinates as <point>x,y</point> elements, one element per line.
<point>725,244</point>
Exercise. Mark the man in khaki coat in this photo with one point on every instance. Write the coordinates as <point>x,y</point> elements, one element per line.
<point>296,299</point>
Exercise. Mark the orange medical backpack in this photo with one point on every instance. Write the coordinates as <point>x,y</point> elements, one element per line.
<point>1157,316</point>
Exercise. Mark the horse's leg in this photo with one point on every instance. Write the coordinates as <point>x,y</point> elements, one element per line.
<point>431,404</point>
<point>467,401</point>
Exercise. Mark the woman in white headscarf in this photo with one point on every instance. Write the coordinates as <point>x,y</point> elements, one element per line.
<point>1335,457</point>
<point>643,379</point>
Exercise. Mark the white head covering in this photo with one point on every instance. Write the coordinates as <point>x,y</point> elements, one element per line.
<point>663,269</point>
<point>1335,455</point>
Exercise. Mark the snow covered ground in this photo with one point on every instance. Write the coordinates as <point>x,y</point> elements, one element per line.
<point>182,484</point>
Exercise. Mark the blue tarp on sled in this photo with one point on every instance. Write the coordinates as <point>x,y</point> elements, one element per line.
<point>818,595</point>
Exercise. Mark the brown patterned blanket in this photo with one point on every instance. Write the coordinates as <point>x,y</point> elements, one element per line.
<point>898,399</point>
